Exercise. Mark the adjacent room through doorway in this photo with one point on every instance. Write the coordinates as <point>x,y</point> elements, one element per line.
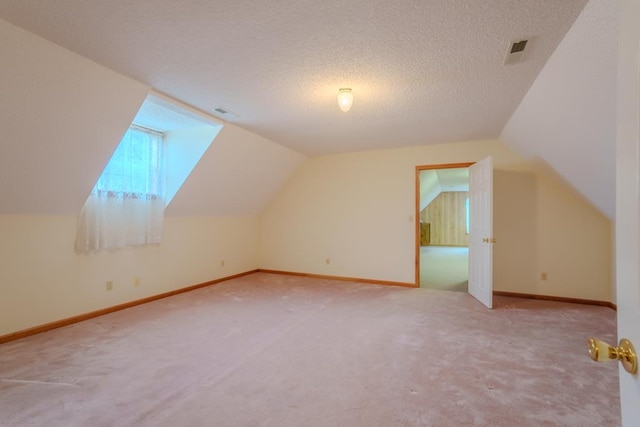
<point>443,249</point>
<point>444,267</point>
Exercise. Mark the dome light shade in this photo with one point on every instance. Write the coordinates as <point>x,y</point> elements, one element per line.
<point>345,99</point>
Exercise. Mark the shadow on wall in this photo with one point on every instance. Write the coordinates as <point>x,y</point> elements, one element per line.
<point>515,226</point>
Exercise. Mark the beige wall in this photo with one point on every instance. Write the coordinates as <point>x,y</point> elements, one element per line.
<point>43,280</point>
<point>543,226</point>
<point>357,209</point>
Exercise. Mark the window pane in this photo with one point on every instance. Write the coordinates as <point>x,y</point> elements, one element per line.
<point>134,168</point>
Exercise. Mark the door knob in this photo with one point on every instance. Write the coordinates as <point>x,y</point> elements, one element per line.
<point>600,351</point>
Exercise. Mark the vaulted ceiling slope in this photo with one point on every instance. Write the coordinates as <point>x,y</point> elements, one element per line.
<point>567,120</point>
<point>238,175</point>
<point>422,72</point>
<point>62,116</point>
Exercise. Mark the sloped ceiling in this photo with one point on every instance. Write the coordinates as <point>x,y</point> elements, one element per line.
<point>435,181</point>
<point>429,187</point>
<point>238,175</point>
<point>422,72</point>
<point>567,120</point>
<point>61,118</point>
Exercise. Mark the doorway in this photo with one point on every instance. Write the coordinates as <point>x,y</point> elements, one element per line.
<point>442,226</point>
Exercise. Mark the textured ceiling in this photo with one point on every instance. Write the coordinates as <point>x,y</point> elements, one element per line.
<point>422,72</point>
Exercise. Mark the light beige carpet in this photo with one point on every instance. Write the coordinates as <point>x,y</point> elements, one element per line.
<point>444,267</point>
<point>271,350</point>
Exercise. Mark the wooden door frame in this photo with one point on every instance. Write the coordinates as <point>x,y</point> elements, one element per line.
<point>417,208</point>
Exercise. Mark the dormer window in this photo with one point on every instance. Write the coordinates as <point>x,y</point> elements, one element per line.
<point>126,205</point>
<point>135,169</point>
<point>154,158</point>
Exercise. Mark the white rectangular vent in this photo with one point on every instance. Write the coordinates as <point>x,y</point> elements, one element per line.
<point>518,46</point>
<point>225,114</point>
<point>515,52</point>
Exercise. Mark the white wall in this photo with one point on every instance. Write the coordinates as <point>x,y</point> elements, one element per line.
<point>358,210</point>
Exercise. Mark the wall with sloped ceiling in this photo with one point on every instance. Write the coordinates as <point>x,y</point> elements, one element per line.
<point>358,211</point>
<point>61,118</point>
<point>567,119</point>
<point>238,175</point>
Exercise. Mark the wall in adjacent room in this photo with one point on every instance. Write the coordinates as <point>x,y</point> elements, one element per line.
<point>447,215</point>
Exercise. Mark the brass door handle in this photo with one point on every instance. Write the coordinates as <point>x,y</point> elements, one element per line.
<point>600,351</point>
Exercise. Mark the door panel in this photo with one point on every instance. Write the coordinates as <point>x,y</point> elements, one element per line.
<point>481,231</point>
<point>627,210</point>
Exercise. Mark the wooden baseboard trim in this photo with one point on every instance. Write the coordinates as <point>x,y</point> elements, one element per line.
<point>559,299</point>
<point>86,316</point>
<point>341,278</point>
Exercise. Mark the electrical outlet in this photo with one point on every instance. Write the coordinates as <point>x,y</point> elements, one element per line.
<point>327,261</point>
<point>109,285</point>
<point>136,281</point>
<point>222,263</point>
<point>543,275</point>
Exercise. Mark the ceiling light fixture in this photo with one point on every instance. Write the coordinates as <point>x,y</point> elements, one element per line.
<point>345,99</point>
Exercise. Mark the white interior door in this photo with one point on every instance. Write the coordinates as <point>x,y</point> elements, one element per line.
<point>481,231</point>
<point>627,201</point>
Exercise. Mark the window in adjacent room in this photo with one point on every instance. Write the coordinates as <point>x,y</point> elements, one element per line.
<point>466,210</point>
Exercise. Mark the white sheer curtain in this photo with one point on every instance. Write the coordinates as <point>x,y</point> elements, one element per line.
<point>126,206</point>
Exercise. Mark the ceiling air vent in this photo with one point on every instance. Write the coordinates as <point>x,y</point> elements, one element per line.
<point>515,52</point>
<point>225,114</point>
<point>518,46</point>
